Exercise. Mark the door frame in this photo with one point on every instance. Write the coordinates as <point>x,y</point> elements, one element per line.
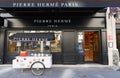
<point>99,46</point>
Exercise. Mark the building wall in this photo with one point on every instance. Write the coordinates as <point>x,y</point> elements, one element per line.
<point>95,22</point>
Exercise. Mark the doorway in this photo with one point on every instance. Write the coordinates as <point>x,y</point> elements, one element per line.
<point>91,46</point>
<point>88,46</point>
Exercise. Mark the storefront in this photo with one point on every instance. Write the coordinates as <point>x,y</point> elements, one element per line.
<point>72,32</point>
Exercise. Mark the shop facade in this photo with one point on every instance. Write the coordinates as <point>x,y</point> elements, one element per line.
<point>79,32</point>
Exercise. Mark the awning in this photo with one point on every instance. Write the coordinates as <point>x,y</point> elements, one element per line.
<point>32,36</point>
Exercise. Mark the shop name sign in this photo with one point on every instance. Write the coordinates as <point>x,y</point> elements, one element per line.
<point>53,21</point>
<point>61,3</point>
<point>45,4</point>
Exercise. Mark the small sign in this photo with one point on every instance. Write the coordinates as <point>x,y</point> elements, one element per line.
<point>110,37</point>
<point>18,43</point>
<point>110,44</point>
<point>80,36</point>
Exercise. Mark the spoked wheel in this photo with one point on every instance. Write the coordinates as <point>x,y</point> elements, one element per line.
<point>37,68</point>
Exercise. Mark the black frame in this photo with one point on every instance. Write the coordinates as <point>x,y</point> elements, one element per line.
<point>99,44</point>
<point>10,56</point>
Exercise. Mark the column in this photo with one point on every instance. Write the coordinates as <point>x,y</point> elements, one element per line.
<point>111,36</point>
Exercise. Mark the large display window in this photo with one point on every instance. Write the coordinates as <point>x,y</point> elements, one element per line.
<point>34,44</point>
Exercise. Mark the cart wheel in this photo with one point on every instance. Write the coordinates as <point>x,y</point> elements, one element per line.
<point>37,68</point>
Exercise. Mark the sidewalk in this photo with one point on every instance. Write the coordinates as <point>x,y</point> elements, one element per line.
<point>81,65</point>
<point>63,71</point>
<point>66,65</point>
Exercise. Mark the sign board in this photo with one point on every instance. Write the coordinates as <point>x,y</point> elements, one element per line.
<point>54,22</point>
<point>110,44</point>
<point>40,4</point>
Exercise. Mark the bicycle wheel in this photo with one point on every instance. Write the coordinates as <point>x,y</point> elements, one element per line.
<point>37,68</point>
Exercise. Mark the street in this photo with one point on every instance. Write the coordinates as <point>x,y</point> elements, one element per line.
<point>62,71</point>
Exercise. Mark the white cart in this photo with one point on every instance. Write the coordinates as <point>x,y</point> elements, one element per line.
<point>36,63</point>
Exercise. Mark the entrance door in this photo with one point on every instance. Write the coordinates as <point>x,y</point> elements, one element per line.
<point>91,46</point>
<point>88,46</point>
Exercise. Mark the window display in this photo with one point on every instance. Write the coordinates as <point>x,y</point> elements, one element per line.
<point>34,44</point>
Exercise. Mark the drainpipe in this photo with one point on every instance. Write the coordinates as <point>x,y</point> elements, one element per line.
<point>111,39</point>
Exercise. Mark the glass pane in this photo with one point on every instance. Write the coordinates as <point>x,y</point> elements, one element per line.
<point>36,46</point>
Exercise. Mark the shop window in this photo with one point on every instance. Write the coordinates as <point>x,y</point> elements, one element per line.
<point>36,45</point>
